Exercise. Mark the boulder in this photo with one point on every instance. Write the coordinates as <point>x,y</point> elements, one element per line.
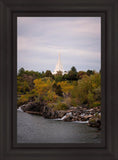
<point>72,114</point>
<point>61,113</point>
<point>93,122</point>
<point>68,118</point>
<point>32,107</point>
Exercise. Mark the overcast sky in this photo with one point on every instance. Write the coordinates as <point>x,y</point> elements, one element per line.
<point>41,39</point>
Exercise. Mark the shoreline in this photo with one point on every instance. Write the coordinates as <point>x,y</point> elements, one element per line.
<point>80,113</point>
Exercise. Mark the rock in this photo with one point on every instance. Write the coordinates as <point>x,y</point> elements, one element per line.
<point>86,117</point>
<point>80,113</point>
<point>68,118</point>
<point>32,107</point>
<point>61,113</point>
<point>98,123</point>
<point>94,122</point>
<point>31,112</point>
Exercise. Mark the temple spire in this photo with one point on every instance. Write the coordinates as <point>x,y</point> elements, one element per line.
<point>59,66</point>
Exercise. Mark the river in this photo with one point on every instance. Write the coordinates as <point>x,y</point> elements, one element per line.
<point>36,129</point>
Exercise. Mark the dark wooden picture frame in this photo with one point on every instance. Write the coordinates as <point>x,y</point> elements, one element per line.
<point>9,11</point>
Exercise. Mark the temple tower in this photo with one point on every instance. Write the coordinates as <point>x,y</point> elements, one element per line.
<point>59,66</point>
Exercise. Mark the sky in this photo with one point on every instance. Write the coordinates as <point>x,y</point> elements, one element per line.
<point>41,39</point>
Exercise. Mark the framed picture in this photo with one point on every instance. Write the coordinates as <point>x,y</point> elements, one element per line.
<point>65,93</point>
<point>58,80</point>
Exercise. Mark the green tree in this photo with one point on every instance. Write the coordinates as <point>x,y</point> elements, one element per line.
<point>72,75</point>
<point>58,78</point>
<point>48,73</point>
<point>81,74</point>
<point>73,69</point>
<point>65,77</point>
<point>57,89</point>
<point>88,90</point>
<point>89,72</point>
<point>21,71</point>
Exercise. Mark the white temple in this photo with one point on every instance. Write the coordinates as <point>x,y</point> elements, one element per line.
<point>59,66</point>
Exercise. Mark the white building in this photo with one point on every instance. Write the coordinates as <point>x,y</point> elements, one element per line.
<point>59,66</point>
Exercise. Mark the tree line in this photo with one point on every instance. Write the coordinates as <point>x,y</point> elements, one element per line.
<point>71,89</point>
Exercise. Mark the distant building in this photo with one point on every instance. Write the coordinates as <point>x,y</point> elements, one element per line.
<point>59,67</point>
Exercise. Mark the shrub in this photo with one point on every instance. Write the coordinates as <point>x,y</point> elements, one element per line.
<point>66,87</point>
<point>88,90</point>
<point>57,89</point>
<point>23,99</point>
<point>90,98</point>
<point>74,102</point>
<point>51,105</point>
<point>50,96</point>
<point>95,104</point>
<point>60,106</point>
<point>67,101</point>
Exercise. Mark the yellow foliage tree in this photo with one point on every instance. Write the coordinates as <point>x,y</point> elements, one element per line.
<point>66,86</point>
<point>41,87</point>
<point>51,96</point>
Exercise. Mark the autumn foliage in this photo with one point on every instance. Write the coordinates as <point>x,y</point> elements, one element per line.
<point>59,91</point>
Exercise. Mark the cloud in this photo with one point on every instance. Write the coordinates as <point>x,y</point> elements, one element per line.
<point>40,39</point>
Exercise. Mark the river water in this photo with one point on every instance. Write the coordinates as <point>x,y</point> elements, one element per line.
<point>36,129</point>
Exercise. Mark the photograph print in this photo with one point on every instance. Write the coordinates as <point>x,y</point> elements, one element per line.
<point>59,80</point>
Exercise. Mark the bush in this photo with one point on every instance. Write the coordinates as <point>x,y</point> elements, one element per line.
<point>67,101</point>
<point>57,89</point>
<point>74,102</point>
<point>88,90</point>
<point>95,104</point>
<point>60,106</point>
<point>50,96</point>
<point>51,105</point>
<point>23,99</point>
<point>90,99</point>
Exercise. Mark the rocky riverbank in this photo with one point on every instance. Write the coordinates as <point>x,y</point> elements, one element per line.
<point>80,113</point>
